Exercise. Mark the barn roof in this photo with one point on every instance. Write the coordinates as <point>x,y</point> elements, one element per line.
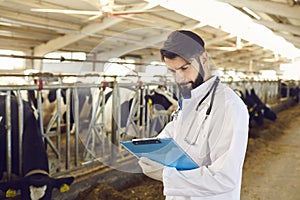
<point>231,43</point>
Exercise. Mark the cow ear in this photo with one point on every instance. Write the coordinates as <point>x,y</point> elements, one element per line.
<point>149,101</point>
<point>64,188</point>
<point>10,193</point>
<point>10,188</point>
<point>52,95</point>
<point>63,183</point>
<point>239,93</point>
<point>247,93</point>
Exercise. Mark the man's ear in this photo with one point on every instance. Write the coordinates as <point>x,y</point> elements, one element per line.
<point>204,58</point>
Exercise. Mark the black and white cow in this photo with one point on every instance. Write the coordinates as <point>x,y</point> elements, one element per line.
<point>126,96</point>
<point>256,108</point>
<point>162,101</point>
<point>163,104</point>
<point>292,90</point>
<point>50,104</point>
<point>84,98</point>
<point>34,182</point>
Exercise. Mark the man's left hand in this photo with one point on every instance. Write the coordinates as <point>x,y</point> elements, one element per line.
<point>151,168</point>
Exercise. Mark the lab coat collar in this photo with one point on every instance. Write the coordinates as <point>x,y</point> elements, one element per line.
<point>198,92</point>
<point>202,89</point>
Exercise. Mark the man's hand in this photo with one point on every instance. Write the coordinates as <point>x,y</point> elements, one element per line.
<point>151,168</point>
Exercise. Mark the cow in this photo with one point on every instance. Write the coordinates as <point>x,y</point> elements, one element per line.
<point>266,111</point>
<point>256,108</point>
<point>84,98</point>
<point>294,91</point>
<point>126,96</point>
<point>50,104</point>
<point>34,181</point>
<point>163,104</point>
<point>162,101</point>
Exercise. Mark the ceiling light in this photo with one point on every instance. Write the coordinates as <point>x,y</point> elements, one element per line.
<point>250,12</point>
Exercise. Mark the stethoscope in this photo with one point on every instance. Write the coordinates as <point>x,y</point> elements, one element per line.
<point>192,140</point>
<point>213,89</point>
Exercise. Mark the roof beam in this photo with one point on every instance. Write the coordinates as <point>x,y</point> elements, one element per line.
<point>150,41</point>
<point>5,14</point>
<point>280,27</point>
<point>267,6</point>
<point>146,42</point>
<point>159,20</point>
<point>23,33</point>
<point>218,39</point>
<point>28,30</point>
<point>239,55</point>
<point>67,39</point>
<point>43,4</point>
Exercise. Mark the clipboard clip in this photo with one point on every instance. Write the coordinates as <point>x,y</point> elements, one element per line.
<point>142,141</point>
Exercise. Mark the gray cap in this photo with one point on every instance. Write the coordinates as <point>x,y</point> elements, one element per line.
<point>185,44</point>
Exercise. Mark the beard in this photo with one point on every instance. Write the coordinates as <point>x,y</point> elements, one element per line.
<point>186,88</point>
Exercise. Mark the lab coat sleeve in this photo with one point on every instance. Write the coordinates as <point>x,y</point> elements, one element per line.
<point>224,173</point>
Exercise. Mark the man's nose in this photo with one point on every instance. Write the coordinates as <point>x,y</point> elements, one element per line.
<point>179,77</point>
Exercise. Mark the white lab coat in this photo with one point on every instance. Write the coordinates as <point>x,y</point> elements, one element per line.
<point>219,146</point>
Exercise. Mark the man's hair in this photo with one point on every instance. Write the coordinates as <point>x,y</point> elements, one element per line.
<point>183,43</point>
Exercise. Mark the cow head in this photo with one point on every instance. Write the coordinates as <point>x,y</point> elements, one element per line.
<point>36,186</point>
<point>161,102</point>
<point>269,114</point>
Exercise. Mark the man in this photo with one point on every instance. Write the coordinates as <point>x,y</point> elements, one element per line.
<point>211,126</point>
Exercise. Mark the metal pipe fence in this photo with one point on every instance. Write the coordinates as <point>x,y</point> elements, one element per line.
<point>87,140</point>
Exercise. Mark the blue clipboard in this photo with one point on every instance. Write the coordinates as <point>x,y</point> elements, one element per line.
<point>162,150</point>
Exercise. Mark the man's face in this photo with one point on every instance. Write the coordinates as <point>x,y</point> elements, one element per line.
<point>185,74</point>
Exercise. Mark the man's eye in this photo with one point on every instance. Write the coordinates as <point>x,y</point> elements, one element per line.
<point>185,67</point>
<point>171,70</point>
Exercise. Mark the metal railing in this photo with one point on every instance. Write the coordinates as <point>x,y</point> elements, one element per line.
<point>71,148</point>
